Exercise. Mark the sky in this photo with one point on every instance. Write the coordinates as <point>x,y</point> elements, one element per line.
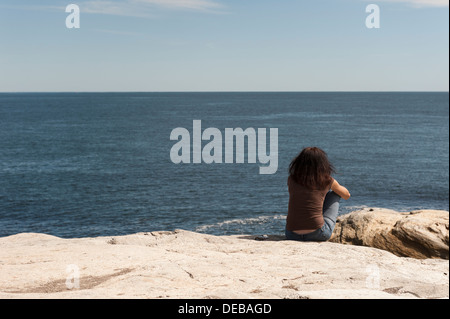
<point>224,45</point>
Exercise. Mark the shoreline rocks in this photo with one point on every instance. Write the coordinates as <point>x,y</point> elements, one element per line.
<point>185,265</point>
<point>419,234</point>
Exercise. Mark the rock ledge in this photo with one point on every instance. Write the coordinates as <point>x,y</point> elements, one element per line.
<point>418,234</point>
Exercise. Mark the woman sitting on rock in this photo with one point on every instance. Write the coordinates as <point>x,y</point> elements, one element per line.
<point>313,197</point>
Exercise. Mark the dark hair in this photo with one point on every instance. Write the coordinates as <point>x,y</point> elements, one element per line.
<point>311,168</point>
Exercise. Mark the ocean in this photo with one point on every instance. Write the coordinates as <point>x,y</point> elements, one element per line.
<point>98,164</point>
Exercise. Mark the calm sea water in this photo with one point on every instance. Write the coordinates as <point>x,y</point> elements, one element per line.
<point>91,164</point>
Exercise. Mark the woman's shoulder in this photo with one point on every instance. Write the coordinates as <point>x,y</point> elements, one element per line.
<point>332,180</point>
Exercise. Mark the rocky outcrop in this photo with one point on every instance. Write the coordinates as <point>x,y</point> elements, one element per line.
<point>184,264</point>
<point>418,234</point>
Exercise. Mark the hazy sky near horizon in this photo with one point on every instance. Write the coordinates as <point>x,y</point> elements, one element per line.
<point>224,45</point>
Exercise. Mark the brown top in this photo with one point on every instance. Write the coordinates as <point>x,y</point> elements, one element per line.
<point>305,207</point>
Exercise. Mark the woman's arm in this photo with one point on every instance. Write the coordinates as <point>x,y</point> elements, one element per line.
<point>340,190</point>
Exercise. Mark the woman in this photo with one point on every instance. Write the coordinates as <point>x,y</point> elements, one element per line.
<point>313,197</point>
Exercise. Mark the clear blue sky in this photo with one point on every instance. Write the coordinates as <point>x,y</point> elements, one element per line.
<point>224,45</point>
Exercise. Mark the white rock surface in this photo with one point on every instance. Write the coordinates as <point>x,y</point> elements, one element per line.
<point>184,264</point>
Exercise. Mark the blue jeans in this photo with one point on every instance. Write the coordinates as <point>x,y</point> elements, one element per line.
<point>330,214</point>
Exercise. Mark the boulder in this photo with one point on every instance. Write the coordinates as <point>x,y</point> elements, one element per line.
<point>419,234</point>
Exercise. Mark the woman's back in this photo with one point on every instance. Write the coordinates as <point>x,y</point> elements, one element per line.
<point>305,210</point>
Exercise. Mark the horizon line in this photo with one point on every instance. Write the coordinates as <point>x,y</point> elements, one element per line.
<point>313,91</point>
